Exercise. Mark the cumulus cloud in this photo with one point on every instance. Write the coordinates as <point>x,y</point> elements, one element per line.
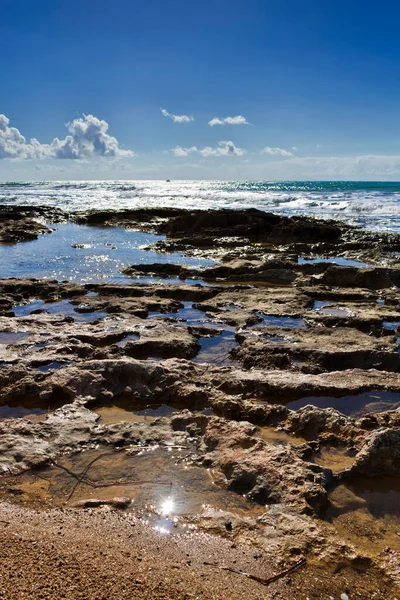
<point>238,120</point>
<point>177,118</point>
<point>14,145</point>
<point>223,149</point>
<point>277,152</point>
<point>179,151</point>
<point>87,138</point>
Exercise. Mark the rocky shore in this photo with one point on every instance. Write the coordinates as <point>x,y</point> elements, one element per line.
<point>255,413</point>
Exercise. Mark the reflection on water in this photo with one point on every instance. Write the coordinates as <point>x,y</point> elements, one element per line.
<point>375,401</point>
<point>275,436</point>
<point>13,337</point>
<point>381,494</point>
<point>53,366</point>
<point>63,307</point>
<point>330,310</point>
<point>85,254</point>
<point>18,412</point>
<point>213,349</point>
<point>336,459</point>
<point>167,507</point>
<point>132,337</point>
<point>116,414</point>
<point>190,315</point>
<point>366,511</point>
<point>284,322</point>
<point>320,304</point>
<point>216,350</point>
<point>393,326</point>
<point>161,481</point>
<point>337,260</point>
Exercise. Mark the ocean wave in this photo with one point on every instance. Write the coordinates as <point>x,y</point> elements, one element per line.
<point>372,205</point>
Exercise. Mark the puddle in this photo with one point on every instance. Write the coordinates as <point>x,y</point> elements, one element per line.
<point>212,349</point>
<point>278,339</point>
<point>392,326</point>
<point>13,338</point>
<point>18,412</point>
<point>105,251</point>
<point>154,280</point>
<point>274,436</point>
<point>216,349</point>
<point>161,482</point>
<point>366,511</point>
<point>188,314</point>
<point>395,326</point>
<point>231,307</point>
<point>63,307</point>
<point>116,414</point>
<point>284,322</point>
<point>335,311</point>
<point>337,260</point>
<point>382,494</point>
<point>336,459</point>
<point>320,304</point>
<point>355,405</point>
<point>52,366</point>
<point>41,345</point>
<point>132,337</point>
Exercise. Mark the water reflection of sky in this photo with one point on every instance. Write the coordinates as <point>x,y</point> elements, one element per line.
<point>375,401</point>
<point>104,252</point>
<point>337,260</point>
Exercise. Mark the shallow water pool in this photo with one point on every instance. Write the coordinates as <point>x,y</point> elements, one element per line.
<point>375,401</point>
<point>337,260</point>
<point>85,254</point>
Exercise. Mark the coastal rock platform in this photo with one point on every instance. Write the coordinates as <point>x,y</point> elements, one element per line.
<point>247,408</point>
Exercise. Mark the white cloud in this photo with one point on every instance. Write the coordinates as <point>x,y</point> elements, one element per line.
<point>46,167</point>
<point>277,152</point>
<point>179,151</point>
<point>88,138</point>
<point>223,149</point>
<point>177,118</point>
<point>238,120</point>
<point>14,145</point>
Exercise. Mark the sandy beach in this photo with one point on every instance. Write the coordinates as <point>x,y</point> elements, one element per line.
<point>233,407</point>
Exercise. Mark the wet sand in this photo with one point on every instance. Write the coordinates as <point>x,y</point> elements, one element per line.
<point>108,555</point>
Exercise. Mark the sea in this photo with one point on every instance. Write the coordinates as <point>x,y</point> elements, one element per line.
<point>90,254</point>
<point>373,205</point>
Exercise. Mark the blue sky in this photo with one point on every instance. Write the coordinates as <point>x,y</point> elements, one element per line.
<point>301,89</point>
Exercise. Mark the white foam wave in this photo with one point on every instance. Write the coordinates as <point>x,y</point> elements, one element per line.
<point>376,208</point>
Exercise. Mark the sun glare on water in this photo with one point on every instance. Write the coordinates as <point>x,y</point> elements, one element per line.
<point>167,507</point>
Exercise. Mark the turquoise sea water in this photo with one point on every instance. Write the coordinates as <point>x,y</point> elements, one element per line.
<point>375,205</point>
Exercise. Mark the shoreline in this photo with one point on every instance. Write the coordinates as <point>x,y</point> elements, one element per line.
<point>278,322</point>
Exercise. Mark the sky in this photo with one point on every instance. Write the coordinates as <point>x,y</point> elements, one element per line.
<point>189,89</point>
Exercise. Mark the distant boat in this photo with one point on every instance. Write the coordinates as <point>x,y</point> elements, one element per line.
<point>168,180</point>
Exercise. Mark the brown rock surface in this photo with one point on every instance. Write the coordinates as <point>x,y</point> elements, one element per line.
<point>255,474</point>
